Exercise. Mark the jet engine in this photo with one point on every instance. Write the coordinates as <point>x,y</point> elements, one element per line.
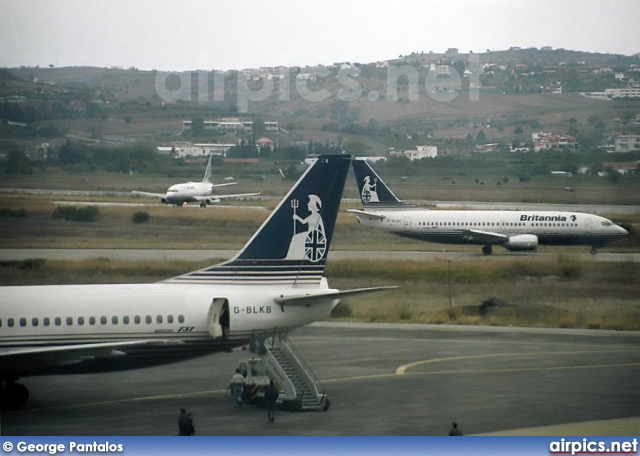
<point>522,242</point>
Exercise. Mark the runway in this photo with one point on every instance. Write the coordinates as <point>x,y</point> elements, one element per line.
<point>383,379</point>
<point>197,255</point>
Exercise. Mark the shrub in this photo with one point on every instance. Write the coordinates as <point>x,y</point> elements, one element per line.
<point>140,217</point>
<point>13,212</point>
<point>73,214</point>
<point>341,311</point>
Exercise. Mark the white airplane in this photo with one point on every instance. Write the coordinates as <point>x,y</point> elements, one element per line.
<point>273,284</point>
<point>513,230</point>
<point>189,192</point>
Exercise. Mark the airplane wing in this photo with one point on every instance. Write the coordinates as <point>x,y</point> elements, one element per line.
<point>27,360</point>
<point>77,349</point>
<point>226,184</point>
<point>152,195</point>
<point>369,215</point>
<point>305,299</point>
<point>486,236</point>
<point>221,197</point>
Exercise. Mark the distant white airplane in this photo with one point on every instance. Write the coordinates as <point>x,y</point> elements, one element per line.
<point>189,192</point>
<point>513,230</point>
<point>273,284</point>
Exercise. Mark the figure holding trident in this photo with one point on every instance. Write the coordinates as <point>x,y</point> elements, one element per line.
<point>312,243</point>
<point>369,193</point>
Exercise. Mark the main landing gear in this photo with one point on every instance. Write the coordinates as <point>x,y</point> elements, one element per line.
<point>487,249</point>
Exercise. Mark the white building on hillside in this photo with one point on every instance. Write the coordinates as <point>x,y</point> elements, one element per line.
<point>187,149</point>
<point>419,153</point>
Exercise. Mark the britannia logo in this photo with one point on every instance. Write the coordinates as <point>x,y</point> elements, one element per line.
<point>369,191</point>
<point>310,244</point>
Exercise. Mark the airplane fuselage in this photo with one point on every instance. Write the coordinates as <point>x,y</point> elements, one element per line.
<point>457,227</point>
<point>187,192</point>
<point>176,322</point>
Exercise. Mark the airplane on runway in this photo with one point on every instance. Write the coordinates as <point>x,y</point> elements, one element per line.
<point>513,230</point>
<point>189,192</point>
<point>273,284</point>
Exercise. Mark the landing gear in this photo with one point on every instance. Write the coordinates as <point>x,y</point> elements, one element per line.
<point>593,251</point>
<point>203,204</point>
<point>487,249</point>
<point>13,395</point>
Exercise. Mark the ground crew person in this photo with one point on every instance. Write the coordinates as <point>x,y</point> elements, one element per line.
<point>236,386</point>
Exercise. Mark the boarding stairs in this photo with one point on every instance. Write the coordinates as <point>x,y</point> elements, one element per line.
<point>300,388</point>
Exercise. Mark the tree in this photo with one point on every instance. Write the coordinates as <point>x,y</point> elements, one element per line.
<point>18,163</point>
<point>481,137</point>
<point>197,125</point>
<point>70,153</point>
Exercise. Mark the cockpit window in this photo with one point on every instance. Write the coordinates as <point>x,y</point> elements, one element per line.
<point>606,223</point>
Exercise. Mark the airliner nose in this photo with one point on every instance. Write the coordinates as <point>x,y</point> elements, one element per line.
<point>621,231</point>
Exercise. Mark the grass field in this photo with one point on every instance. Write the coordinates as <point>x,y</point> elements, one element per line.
<point>555,292</point>
<point>519,292</point>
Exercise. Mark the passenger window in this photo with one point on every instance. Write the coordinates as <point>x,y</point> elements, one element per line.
<point>180,318</point>
<point>136,319</point>
<point>103,320</point>
<point>34,322</point>
<point>58,321</point>
<point>159,319</point>
<point>125,319</point>
<point>92,320</point>
<point>10,322</point>
<point>148,319</point>
<point>46,321</point>
<point>81,321</point>
<point>69,321</point>
<point>169,318</point>
<point>114,320</point>
<point>23,322</point>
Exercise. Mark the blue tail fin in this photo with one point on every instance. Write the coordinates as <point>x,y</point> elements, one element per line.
<point>374,193</point>
<point>291,246</point>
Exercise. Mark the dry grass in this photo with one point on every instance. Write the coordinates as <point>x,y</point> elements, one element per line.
<point>594,295</point>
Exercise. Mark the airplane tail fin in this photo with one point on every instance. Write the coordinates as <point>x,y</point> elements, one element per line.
<point>207,173</point>
<point>291,246</point>
<point>374,193</point>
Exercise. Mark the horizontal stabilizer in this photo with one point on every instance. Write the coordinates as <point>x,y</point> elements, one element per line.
<point>305,299</point>
<point>369,215</point>
<point>226,184</point>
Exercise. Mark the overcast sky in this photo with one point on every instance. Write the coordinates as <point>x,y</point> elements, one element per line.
<point>192,34</point>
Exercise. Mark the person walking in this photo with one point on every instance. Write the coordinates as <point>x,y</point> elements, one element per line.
<point>236,386</point>
<point>185,423</point>
<point>271,398</point>
<point>454,429</point>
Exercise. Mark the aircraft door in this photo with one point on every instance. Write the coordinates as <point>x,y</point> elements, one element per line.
<point>218,318</point>
<point>587,224</point>
<point>407,224</point>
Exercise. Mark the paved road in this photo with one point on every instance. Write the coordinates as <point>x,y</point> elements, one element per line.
<point>382,380</point>
<point>196,255</point>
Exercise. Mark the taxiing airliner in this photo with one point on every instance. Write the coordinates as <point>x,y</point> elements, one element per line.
<point>190,192</point>
<point>513,230</point>
<point>273,284</point>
